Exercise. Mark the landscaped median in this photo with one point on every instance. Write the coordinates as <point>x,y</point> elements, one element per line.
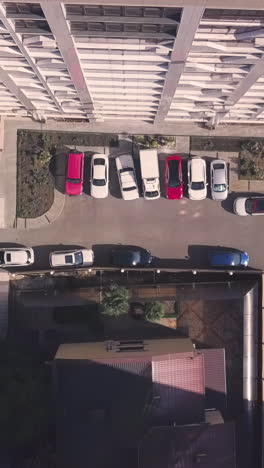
<point>38,203</point>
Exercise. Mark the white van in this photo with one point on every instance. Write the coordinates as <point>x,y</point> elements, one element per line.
<point>150,173</point>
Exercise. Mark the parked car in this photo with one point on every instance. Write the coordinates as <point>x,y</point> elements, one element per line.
<point>99,176</point>
<point>127,177</point>
<point>244,206</point>
<point>149,165</point>
<point>219,185</point>
<point>74,178</point>
<point>173,177</point>
<point>72,258</point>
<point>20,256</point>
<point>130,257</point>
<point>197,185</point>
<point>228,258</point>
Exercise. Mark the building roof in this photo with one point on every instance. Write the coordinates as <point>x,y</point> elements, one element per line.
<point>215,378</point>
<point>179,388</point>
<point>101,386</point>
<point>189,446</point>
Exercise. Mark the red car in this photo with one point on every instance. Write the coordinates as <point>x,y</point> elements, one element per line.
<point>173,177</point>
<point>74,178</point>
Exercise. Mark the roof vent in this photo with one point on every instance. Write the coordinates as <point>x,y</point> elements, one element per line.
<point>125,346</point>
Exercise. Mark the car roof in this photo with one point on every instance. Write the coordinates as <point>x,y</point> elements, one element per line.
<point>62,257</point>
<point>74,165</point>
<point>99,172</point>
<point>126,256</point>
<point>16,256</point>
<point>198,168</point>
<point>219,172</point>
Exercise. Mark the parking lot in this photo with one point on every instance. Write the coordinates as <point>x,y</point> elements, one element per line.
<point>174,230</point>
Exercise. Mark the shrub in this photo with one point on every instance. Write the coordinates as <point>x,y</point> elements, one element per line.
<point>154,311</point>
<point>116,301</point>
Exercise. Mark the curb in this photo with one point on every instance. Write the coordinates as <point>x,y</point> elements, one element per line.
<point>47,218</point>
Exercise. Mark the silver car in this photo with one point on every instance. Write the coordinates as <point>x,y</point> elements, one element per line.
<point>219,186</point>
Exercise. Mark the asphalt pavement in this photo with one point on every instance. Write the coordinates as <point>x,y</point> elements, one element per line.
<point>178,232</point>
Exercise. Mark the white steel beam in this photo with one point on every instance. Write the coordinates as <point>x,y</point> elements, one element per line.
<point>10,29</point>
<point>56,16</point>
<point>190,20</point>
<point>226,4</point>
<point>16,91</point>
<point>244,86</point>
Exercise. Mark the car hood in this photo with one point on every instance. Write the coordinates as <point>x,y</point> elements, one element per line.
<point>88,257</point>
<point>131,195</point>
<point>73,189</point>
<point>175,193</point>
<point>197,194</point>
<point>240,206</point>
<point>100,191</point>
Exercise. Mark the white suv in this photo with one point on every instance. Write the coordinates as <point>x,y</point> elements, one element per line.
<point>127,177</point>
<point>72,258</point>
<point>20,256</point>
<point>99,176</point>
<point>197,185</point>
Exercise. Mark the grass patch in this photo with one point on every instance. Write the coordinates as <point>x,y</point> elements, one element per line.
<point>35,183</point>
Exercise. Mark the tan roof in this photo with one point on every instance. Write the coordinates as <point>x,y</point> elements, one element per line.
<point>98,351</point>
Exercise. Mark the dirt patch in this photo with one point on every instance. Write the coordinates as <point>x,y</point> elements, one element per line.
<point>251,160</point>
<point>234,144</point>
<point>35,183</point>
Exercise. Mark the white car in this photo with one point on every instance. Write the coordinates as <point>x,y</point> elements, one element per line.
<point>219,186</point>
<point>251,205</point>
<point>72,258</point>
<point>127,177</point>
<point>99,176</point>
<point>197,186</point>
<point>21,256</point>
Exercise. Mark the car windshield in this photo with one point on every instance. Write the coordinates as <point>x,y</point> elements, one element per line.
<point>128,189</point>
<point>78,258</point>
<point>254,205</point>
<point>126,169</point>
<point>219,187</point>
<point>2,256</point>
<point>73,181</point>
<point>197,185</point>
<point>153,194</point>
<point>174,180</point>
<point>99,182</point>
<point>235,259</point>
<point>99,162</point>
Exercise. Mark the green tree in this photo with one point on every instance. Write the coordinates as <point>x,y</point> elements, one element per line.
<point>116,301</point>
<point>154,311</point>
